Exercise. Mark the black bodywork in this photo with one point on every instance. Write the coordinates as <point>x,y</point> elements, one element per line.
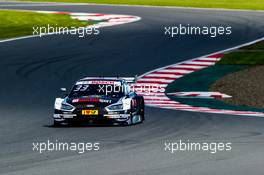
<point>99,103</point>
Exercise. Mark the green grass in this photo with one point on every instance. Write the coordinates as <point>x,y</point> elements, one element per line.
<point>231,4</point>
<point>18,23</point>
<point>250,55</point>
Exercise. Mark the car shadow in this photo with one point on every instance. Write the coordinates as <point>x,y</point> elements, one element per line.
<point>85,126</point>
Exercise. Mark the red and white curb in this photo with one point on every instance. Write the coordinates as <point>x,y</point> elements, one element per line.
<point>152,86</point>
<point>105,19</point>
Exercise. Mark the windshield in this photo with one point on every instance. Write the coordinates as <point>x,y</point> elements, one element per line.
<point>83,90</point>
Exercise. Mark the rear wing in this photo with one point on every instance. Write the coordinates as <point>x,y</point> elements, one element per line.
<point>126,79</point>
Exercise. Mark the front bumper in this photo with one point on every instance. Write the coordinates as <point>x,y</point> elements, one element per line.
<point>120,116</point>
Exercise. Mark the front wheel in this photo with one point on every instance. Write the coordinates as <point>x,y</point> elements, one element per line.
<point>56,123</point>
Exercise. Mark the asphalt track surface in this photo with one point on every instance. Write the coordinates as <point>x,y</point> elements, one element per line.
<point>32,71</point>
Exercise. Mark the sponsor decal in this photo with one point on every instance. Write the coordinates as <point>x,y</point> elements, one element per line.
<point>95,100</point>
<point>105,101</point>
<point>89,112</point>
<point>90,106</point>
<point>75,100</point>
<point>100,82</point>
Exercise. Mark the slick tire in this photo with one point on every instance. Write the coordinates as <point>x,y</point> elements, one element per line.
<point>56,123</point>
<point>142,110</point>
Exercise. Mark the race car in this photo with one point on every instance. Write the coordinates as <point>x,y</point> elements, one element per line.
<point>100,100</point>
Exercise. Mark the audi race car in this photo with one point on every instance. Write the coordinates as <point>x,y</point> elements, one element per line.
<point>100,100</point>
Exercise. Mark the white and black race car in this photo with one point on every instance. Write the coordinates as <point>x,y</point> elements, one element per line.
<point>100,100</point>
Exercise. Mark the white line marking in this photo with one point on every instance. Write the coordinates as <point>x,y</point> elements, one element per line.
<point>175,71</point>
<point>147,6</point>
<point>160,101</point>
<point>209,59</point>
<point>156,98</point>
<point>163,75</point>
<point>189,66</point>
<point>201,63</point>
<point>156,80</point>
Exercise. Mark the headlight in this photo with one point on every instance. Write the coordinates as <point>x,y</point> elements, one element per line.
<point>66,107</point>
<point>115,107</point>
<point>60,104</point>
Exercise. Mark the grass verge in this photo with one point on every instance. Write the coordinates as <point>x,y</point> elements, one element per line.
<point>20,23</point>
<point>250,55</point>
<point>230,4</point>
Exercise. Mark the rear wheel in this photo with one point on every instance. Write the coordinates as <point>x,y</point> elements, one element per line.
<point>142,109</point>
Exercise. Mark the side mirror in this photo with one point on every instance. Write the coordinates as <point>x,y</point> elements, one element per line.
<point>63,89</point>
<point>63,92</point>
